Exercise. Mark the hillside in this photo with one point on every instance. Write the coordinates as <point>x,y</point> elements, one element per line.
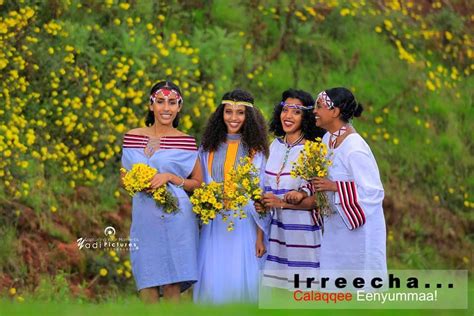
<point>75,75</point>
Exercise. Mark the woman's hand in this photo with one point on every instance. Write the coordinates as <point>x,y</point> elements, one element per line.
<point>259,207</point>
<point>270,200</point>
<point>323,184</point>
<point>260,248</point>
<point>294,197</point>
<point>159,179</point>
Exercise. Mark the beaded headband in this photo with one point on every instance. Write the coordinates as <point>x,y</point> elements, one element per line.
<point>326,99</point>
<point>296,106</point>
<point>166,94</point>
<point>234,103</point>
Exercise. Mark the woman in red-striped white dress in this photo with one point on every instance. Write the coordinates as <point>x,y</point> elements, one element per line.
<point>166,259</point>
<point>354,234</point>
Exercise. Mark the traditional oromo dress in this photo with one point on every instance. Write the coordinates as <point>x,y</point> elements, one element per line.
<point>295,235</point>
<point>229,269</point>
<point>354,235</point>
<point>167,243</point>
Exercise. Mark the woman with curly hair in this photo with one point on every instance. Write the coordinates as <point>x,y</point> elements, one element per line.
<point>229,262</point>
<point>295,232</point>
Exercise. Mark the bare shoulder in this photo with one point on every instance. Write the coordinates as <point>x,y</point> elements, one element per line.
<point>138,131</point>
<point>179,133</point>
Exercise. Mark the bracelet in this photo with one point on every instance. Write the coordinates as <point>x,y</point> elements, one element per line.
<point>182,183</point>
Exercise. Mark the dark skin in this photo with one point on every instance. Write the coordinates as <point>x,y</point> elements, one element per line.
<point>292,133</point>
<point>330,120</point>
<point>165,110</point>
<point>234,117</point>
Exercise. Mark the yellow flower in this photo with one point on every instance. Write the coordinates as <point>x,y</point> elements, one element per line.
<point>12,291</point>
<point>124,6</point>
<point>103,272</point>
<point>448,35</point>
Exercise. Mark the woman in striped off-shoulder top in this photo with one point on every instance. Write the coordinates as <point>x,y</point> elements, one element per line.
<point>165,261</point>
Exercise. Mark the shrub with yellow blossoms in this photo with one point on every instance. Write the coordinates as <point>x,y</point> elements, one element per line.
<point>313,162</point>
<point>138,179</point>
<point>228,199</point>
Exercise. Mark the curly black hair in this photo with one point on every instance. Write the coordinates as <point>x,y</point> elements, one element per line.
<point>346,102</point>
<point>254,132</point>
<point>308,124</point>
<point>150,118</point>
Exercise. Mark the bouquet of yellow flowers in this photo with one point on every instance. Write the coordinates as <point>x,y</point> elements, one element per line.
<point>228,198</point>
<point>312,162</point>
<point>208,201</point>
<point>243,185</point>
<point>138,179</point>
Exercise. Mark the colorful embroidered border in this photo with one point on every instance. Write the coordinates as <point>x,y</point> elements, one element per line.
<point>296,106</point>
<point>166,93</point>
<point>326,99</point>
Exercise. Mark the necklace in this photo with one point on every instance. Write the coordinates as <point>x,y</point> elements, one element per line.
<point>152,146</point>
<point>335,135</point>
<point>287,153</point>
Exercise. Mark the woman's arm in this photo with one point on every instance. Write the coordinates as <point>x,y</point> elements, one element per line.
<point>195,179</point>
<point>270,200</point>
<point>192,182</point>
<point>260,245</point>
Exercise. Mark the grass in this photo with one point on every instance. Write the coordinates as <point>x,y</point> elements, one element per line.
<point>134,307</point>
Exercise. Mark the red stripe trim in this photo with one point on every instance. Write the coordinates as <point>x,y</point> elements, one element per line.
<point>313,215</point>
<point>178,138</point>
<point>186,138</point>
<point>135,136</point>
<point>343,204</point>
<point>355,212</point>
<point>350,195</point>
<point>356,203</point>
<point>178,143</point>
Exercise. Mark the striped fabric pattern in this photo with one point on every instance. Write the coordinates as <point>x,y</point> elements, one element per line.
<point>317,218</point>
<point>290,263</point>
<point>166,142</point>
<point>352,214</point>
<point>277,191</point>
<point>295,235</point>
<point>294,226</point>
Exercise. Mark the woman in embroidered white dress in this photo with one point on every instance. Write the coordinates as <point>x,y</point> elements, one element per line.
<point>295,231</point>
<point>354,235</point>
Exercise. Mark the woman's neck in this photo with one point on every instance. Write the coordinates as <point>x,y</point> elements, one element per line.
<point>335,126</point>
<point>159,130</point>
<point>234,136</point>
<point>293,137</point>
